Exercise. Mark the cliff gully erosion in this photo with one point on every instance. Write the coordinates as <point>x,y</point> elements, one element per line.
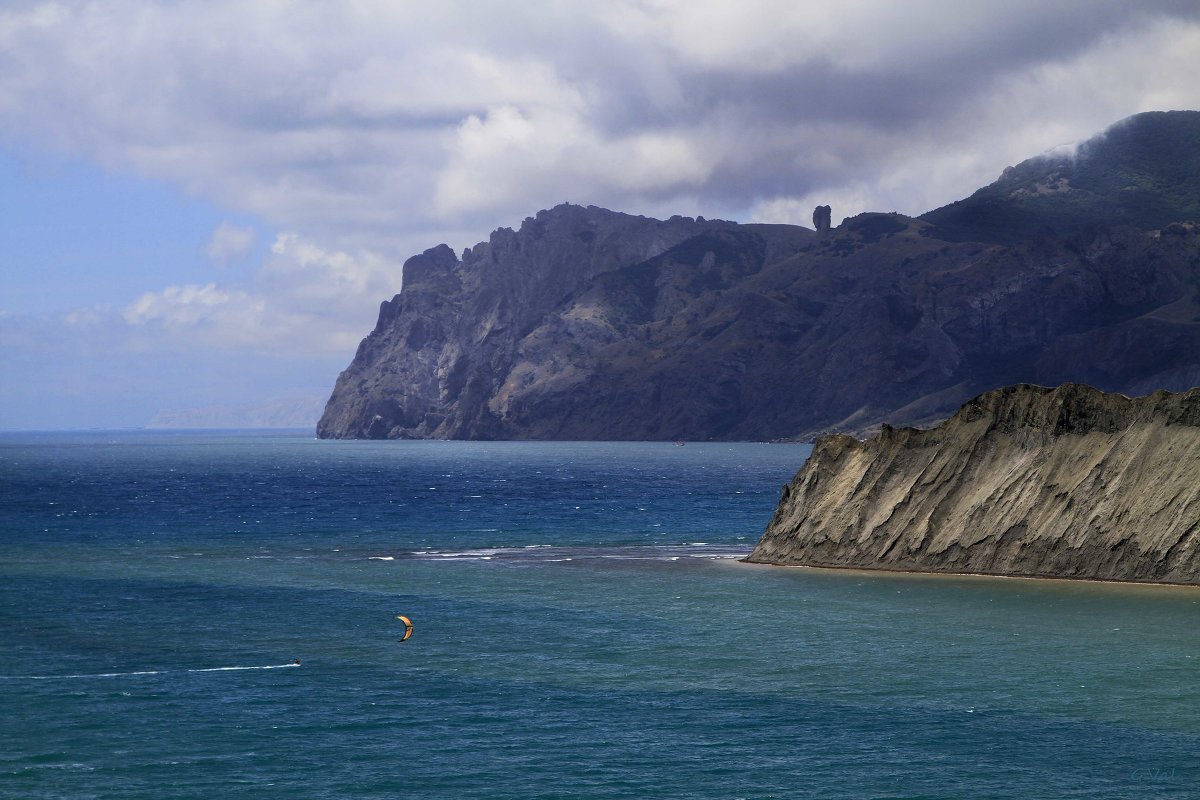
<point>1068,482</point>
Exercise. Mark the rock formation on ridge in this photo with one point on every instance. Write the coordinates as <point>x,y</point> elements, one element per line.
<point>822,218</point>
<point>1068,482</point>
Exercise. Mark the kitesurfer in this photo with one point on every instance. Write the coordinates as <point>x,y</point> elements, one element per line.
<point>408,626</point>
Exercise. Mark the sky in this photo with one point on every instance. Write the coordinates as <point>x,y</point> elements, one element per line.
<point>203,203</point>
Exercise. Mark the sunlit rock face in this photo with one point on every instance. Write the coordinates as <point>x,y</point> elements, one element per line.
<point>445,348</point>
<point>1067,482</point>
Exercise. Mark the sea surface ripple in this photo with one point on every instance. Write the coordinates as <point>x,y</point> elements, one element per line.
<point>205,615</point>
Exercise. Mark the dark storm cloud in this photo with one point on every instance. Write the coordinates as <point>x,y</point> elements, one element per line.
<point>885,101</point>
<point>367,121</point>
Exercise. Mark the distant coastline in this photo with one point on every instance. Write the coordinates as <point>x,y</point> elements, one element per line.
<point>300,409</point>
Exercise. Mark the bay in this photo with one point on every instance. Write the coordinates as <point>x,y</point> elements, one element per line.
<point>583,628</point>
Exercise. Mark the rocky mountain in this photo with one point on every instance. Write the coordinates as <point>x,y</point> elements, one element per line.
<point>446,346</point>
<point>589,324</point>
<point>1068,482</point>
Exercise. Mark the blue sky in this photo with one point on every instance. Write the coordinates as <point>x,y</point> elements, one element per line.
<point>82,241</point>
<point>100,238</point>
<point>203,203</point>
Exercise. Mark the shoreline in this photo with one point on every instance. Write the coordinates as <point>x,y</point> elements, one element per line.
<point>916,573</point>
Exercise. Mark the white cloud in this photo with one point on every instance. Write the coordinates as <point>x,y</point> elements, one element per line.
<point>507,158</point>
<point>339,286</point>
<point>438,83</point>
<point>302,300</point>
<point>89,317</point>
<point>229,242</point>
<point>207,317</point>
<point>183,306</point>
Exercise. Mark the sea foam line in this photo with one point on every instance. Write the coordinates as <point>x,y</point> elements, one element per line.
<point>141,672</point>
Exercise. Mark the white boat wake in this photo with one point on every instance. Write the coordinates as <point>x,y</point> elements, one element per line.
<point>139,673</point>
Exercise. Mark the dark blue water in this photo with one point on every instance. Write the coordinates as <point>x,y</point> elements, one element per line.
<point>583,629</point>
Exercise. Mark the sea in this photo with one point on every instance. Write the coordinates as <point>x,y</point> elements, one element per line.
<point>215,615</point>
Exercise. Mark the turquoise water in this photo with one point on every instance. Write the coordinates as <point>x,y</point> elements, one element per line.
<point>582,629</point>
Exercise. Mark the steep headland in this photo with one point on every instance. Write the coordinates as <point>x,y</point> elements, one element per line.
<point>1067,482</point>
<point>590,324</point>
<point>456,353</point>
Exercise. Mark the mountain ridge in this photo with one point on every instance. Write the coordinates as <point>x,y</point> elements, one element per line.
<point>591,324</point>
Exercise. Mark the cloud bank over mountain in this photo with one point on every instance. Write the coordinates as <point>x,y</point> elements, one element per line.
<point>370,121</point>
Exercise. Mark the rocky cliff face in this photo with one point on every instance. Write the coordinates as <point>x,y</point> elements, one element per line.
<point>1068,482</point>
<point>444,346</point>
<point>589,324</point>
